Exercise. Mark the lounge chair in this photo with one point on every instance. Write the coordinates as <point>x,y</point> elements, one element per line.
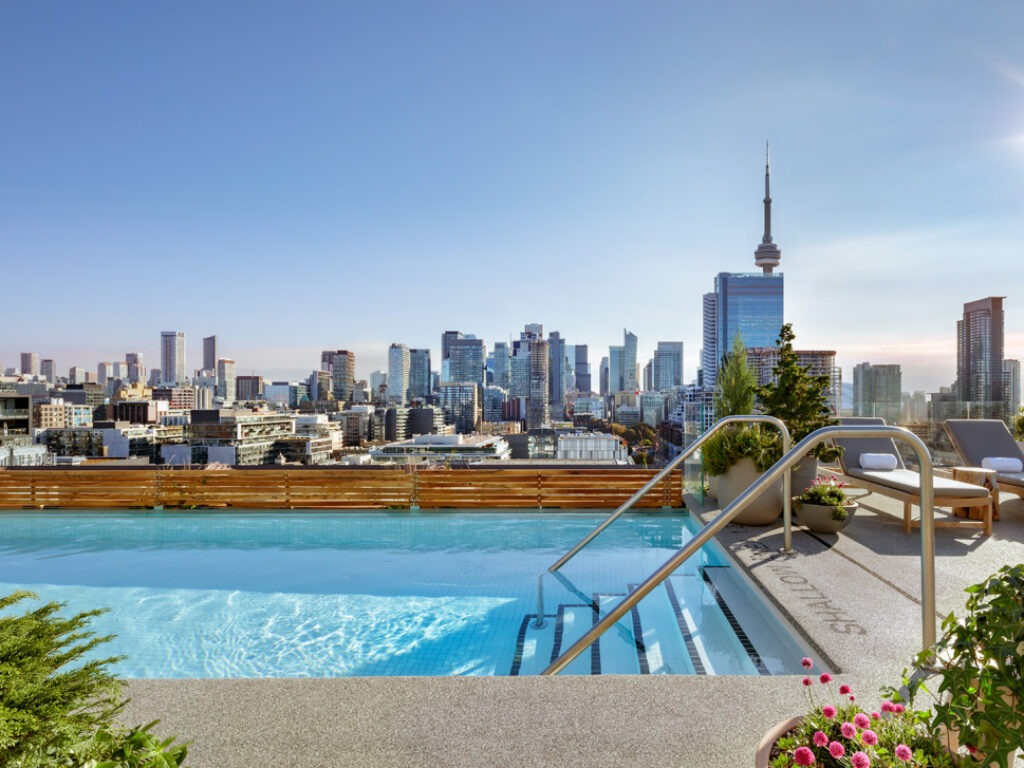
<point>979,439</point>
<point>904,484</point>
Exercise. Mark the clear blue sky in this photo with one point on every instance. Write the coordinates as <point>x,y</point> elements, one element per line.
<point>297,176</point>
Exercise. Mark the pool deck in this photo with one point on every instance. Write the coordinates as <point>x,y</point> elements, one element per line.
<point>855,596</point>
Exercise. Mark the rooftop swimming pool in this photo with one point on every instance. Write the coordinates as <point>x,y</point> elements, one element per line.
<point>325,594</point>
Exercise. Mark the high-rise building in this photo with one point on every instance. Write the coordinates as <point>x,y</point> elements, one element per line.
<point>629,370</point>
<point>709,338</point>
<point>501,365</point>
<point>667,366</point>
<point>419,373</point>
<point>136,368</point>
<point>461,403</point>
<point>319,385</point>
<point>582,368</point>
<point>210,353</point>
<point>1011,385</point>
<point>120,371</point>
<point>519,371</point>
<point>979,355</point>
<point>762,362</point>
<point>398,374</point>
<point>48,370</point>
<point>77,375</point>
<point>604,374</point>
<point>30,363</point>
<point>767,255</point>
<point>342,366</point>
<point>172,358</point>
<point>556,375</point>
<point>447,338</point>
<point>467,359</point>
<point>249,388</point>
<point>878,391</point>
<point>104,371</point>
<point>226,379</point>
<point>494,399</point>
<point>378,384</point>
<point>537,414</point>
<point>615,368</point>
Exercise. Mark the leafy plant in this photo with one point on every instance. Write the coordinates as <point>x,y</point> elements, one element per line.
<point>1018,424</point>
<point>797,397</point>
<point>828,492</point>
<point>734,391</point>
<point>836,731</point>
<point>731,444</point>
<point>980,665</point>
<point>56,708</point>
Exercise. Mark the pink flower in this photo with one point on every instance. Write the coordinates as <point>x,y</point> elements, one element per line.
<point>807,681</point>
<point>848,730</point>
<point>875,716</point>
<point>819,739</point>
<point>836,749</point>
<point>860,760</point>
<point>806,663</point>
<point>844,689</point>
<point>825,678</point>
<point>869,737</point>
<point>852,697</point>
<point>803,756</point>
<point>861,720</point>
<point>887,706</point>
<point>971,749</point>
<point>828,712</point>
<point>903,752</point>
<point>898,708</point>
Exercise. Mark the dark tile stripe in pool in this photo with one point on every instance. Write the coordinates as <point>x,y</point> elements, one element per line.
<point>748,646</point>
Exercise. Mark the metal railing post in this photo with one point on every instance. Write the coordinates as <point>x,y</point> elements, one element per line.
<point>783,465</point>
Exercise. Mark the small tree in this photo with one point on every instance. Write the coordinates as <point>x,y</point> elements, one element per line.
<point>798,398</point>
<point>734,394</point>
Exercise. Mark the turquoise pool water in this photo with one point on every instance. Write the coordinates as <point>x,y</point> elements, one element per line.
<point>292,594</point>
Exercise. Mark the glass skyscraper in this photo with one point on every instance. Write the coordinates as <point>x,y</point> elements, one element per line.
<point>750,303</point>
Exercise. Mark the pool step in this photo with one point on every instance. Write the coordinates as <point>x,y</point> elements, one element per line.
<point>696,623</point>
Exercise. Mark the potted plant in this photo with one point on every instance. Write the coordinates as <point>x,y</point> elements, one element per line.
<point>799,399</point>
<point>1018,427</point>
<point>837,731</point>
<point>823,507</point>
<point>737,455</point>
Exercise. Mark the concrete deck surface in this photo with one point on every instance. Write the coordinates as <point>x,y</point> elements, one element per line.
<point>855,596</point>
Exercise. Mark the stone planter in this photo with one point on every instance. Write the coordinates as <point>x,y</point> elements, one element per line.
<point>713,486</point>
<point>765,509</point>
<point>803,474</point>
<point>818,517</point>
<point>763,755</point>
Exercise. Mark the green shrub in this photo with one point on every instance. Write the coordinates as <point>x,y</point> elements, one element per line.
<point>730,444</point>
<point>57,709</point>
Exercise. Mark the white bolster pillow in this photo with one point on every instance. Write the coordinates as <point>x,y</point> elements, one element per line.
<point>877,461</point>
<point>1003,464</point>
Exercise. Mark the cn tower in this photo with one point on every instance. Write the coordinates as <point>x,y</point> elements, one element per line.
<point>768,254</point>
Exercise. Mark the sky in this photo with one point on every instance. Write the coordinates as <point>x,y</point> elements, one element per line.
<point>301,176</point>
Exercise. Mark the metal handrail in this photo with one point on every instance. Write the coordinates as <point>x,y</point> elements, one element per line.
<point>787,513</point>
<point>927,496</point>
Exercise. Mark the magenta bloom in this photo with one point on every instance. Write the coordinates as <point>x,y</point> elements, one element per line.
<point>898,708</point>
<point>803,756</point>
<point>836,749</point>
<point>875,716</point>
<point>828,712</point>
<point>869,737</point>
<point>852,697</point>
<point>819,739</point>
<point>844,689</point>
<point>860,760</point>
<point>807,681</point>
<point>806,663</point>
<point>848,730</point>
<point>825,678</point>
<point>903,752</point>
<point>861,720</point>
<point>887,706</point>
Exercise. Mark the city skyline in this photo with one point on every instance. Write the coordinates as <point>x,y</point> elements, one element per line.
<point>615,152</point>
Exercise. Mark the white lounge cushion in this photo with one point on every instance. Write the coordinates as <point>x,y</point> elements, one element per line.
<point>877,461</point>
<point>1003,464</point>
<point>908,481</point>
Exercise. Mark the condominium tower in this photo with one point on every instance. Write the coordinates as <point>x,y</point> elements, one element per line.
<point>979,353</point>
<point>172,358</point>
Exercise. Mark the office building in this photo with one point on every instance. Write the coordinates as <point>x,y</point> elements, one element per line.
<point>120,371</point>
<point>210,353</point>
<point>398,374</point>
<point>629,370</point>
<point>519,371</point>
<point>556,375</point>
<point>461,404</point>
<point>29,364</point>
<point>419,373</point>
<point>762,361</point>
<point>136,367</point>
<point>979,355</point>
<point>537,414</point>
<point>249,388</point>
<point>1011,386</point>
<point>48,370</point>
<point>667,366</point>
<point>446,338</point>
<point>709,357</point>
<point>103,372</point>
<point>378,385</point>
<point>878,391</point>
<point>15,413</point>
<point>467,359</point>
<point>494,400</point>
<point>502,367</point>
<point>172,358</point>
<point>226,379</point>
<point>615,356</point>
<point>77,375</point>
<point>581,368</point>
<point>342,366</point>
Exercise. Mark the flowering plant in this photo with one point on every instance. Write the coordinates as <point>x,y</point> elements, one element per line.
<point>829,493</point>
<point>837,732</point>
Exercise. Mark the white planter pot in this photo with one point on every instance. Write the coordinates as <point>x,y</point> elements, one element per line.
<point>763,510</point>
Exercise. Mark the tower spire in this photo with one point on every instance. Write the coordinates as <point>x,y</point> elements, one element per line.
<point>768,254</point>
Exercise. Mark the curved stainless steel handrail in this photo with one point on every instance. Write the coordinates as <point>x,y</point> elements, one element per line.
<point>787,513</point>
<point>927,496</point>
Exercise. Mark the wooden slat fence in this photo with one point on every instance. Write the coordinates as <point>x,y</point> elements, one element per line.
<point>316,488</point>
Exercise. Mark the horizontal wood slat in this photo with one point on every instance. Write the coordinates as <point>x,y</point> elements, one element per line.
<point>337,489</point>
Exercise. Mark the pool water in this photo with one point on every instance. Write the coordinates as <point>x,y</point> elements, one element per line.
<point>321,594</point>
